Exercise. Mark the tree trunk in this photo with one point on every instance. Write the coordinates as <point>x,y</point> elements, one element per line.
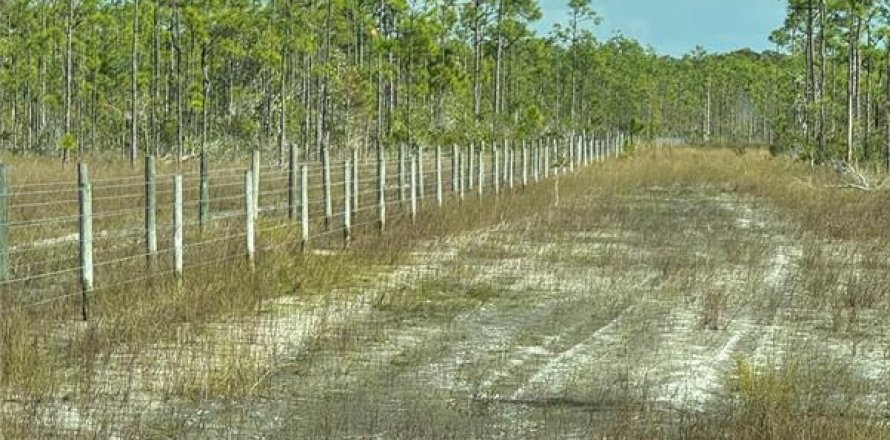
<point>134,109</point>
<point>69,36</point>
<point>820,90</point>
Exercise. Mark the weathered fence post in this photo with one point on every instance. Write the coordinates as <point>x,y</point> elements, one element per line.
<point>455,169</point>
<point>495,163</point>
<point>177,226</point>
<point>413,187</point>
<point>304,206</point>
<point>471,159</point>
<point>420,183</point>
<point>203,191</point>
<point>255,169</point>
<point>86,238</point>
<point>250,220</point>
<point>571,148</point>
<point>506,171</point>
<point>546,159</point>
<point>524,163</point>
<point>4,223</point>
<point>536,161</point>
<point>292,179</point>
<point>403,196</point>
<point>347,203</point>
<point>481,178</point>
<point>381,188</point>
<point>439,196</point>
<point>512,168</point>
<point>151,209</point>
<point>328,201</point>
<point>461,160</point>
<point>355,182</point>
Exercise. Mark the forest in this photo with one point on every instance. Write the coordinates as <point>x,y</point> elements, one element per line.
<point>172,78</point>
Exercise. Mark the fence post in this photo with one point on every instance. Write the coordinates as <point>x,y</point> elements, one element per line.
<point>328,201</point>
<point>304,206</point>
<point>355,182</point>
<point>203,191</point>
<point>86,238</point>
<point>506,164</point>
<point>480,180</point>
<point>536,161</point>
<point>512,168</point>
<point>255,168</point>
<point>439,195</point>
<point>420,191</point>
<point>403,197</point>
<point>250,219</point>
<point>524,163</point>
<point>413,187</point>
<point>461,169</point>
<point>381,188</point>
<point>177,226</point>
<point>495,163</point>
<point>471,159</point>
<point>347,203</point>
<point>4,223</point>
<point>292,182</point>
<point>546,159</point>
<point>571,148</point>
<point>151,209</point>
<point>455,169</point>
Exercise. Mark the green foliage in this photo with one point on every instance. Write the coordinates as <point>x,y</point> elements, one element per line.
<point>68,142</point>
<point>389,72</point>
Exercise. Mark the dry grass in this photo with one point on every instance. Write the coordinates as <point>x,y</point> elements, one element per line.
<point>167,351</point>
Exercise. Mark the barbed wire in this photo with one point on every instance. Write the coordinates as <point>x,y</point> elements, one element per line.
<point>110,247</point>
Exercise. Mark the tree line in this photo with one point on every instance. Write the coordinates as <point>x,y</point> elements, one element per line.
<point>840,64</point>
<point>177,77</point>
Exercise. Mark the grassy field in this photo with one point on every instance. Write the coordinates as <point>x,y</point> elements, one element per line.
<point>676,293</point>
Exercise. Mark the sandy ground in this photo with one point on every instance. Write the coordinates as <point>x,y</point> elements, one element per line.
<point>547,328</point>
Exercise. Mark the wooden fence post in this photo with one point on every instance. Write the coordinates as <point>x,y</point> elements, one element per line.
<point>304,206</point>
<point>177,226</point>
<point>495,163</point>
<point>381,189</point>
<point>471,153</point>
<point>420,180</point>
<point>328,200</point>
<point>203,191</point>
<point>524,163</point>
<point>355,182</point>
<point>86,238</point>
<point>546,159</point>
<point>347,203</point>
<point>4,223</point>
<point>511,169</point>
<point>413,187</point>
<point>461,160</point>
<point>439,196</point>
<point>480,180</point>
<point>151,210</point>
<point>292,179</point>
<point>250,219</point>
<point>255,168</point>
<point>403,196</point>
<point>455,170</point>
<point>571,150</point>
<point>506,164</point>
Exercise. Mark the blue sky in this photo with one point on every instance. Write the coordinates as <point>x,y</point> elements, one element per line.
<point>674,27</point>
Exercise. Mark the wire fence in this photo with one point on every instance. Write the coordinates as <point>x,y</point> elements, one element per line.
<point>72,240</point>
